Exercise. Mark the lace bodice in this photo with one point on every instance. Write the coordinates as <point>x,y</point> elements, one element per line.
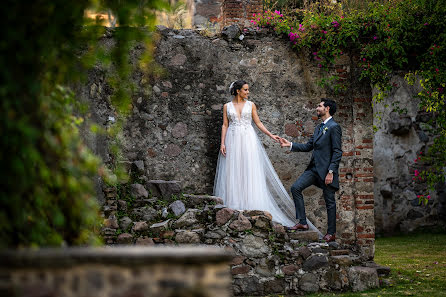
<point>245,117</point>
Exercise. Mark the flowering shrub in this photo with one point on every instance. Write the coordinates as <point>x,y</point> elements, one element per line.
<point>406,35</point>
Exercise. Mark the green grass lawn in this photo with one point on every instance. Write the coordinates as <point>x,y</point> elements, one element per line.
<point>418,264</point>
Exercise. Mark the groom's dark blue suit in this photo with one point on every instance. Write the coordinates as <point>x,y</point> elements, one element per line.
<point>327,153</point>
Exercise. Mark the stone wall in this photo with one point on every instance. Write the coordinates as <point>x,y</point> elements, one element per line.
<point>268,258</point>
<point>213,15</point>
<point>173,132</point>
<point>400,138</point>
<point>116,272</point>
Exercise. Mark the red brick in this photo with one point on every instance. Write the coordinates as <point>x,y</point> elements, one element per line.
<point>365,207</point>
<point>347,154</point>
<point>363,174</point>
<point>370,235</point>
<point>367,140</point>
<point>365,196</point>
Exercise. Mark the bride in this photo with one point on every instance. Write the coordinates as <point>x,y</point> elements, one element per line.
<point>245,178</point>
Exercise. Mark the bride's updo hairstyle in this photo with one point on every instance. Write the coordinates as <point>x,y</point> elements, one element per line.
<point>237,85</point>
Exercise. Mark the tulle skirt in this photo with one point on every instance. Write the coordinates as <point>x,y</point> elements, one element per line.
<point>246,180</point>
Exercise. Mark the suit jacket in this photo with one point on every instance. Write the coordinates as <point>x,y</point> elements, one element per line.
<point>327,151</point>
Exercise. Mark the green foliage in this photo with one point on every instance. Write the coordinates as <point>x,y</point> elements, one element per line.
<point>382,38</point>
<point>47,196</point>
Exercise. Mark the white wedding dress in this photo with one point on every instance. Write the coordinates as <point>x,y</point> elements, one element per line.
<point>245,179</point>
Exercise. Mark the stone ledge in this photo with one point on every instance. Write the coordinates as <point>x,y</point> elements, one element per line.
<point>122,255</point>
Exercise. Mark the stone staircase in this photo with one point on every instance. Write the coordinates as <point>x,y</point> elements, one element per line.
<point>268,259</point>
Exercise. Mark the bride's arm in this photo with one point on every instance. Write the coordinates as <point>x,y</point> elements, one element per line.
<point>224,128</point>
<point>256,119</point>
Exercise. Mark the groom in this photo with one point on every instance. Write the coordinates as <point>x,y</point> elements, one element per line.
<point>323,168</point>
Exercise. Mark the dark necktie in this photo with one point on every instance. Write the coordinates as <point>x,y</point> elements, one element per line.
<point>321,127</point>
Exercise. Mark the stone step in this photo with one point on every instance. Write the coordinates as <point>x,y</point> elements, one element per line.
<point>201,200</point>
<point>304,235</point>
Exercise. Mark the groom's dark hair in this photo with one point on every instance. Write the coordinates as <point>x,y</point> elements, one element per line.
<point>329,103</point>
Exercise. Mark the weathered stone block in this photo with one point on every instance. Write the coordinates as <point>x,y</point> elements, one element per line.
<point>315,262</point>
<point>363,278</point>
<point>253,246</point>
<point>146,213</point>
<point>309,282</point>
<point>241,223</point>
<point>177,207</point>
<point>189,218</point>
<point>223,216</point>
<point>202,200</point>
<point>138,191</point>
<point>140,227</point>
<point>125,238</point>
<point>147,241</point>
<point>187,237</point>
<point>164,189</point>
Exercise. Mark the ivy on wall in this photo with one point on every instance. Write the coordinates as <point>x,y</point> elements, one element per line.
<point>383,37</point>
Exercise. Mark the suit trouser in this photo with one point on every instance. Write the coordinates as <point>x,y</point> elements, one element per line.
<point>308,178</point>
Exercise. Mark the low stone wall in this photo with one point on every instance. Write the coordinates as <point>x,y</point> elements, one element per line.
<point>269,259</point>
<point>116,272</point>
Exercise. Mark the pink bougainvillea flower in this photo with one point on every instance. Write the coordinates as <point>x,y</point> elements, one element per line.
<point>319,65</point>
<point>436,70</point>
<point>342,16</point>
<point>428,197</point>
<point>363,59</point>
<point>416,172</point>
<point>301,28</point>
<point>375,37</point>
<point>419,196</point>
<point>325,32</point>
<point>335,24</point>
<point>314,53</point>
<point>426,24</point>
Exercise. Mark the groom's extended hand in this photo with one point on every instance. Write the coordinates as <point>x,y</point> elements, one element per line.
<point>284,142</point>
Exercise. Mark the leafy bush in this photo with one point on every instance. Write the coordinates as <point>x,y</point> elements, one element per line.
<point>47,196</point>
<point>383,38</point>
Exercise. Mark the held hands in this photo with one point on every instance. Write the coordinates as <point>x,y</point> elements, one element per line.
<point>284,142</point>
<point>276,138</point>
